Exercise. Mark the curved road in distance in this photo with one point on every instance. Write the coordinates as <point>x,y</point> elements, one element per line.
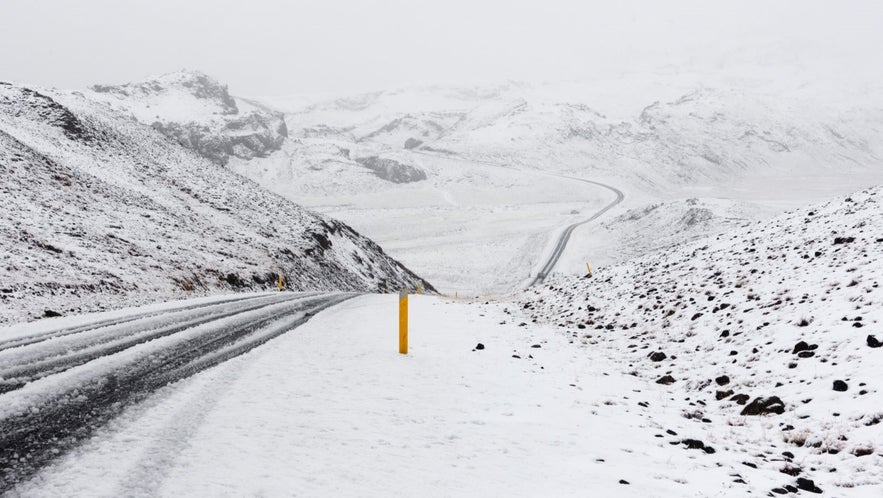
<point>550,263</point>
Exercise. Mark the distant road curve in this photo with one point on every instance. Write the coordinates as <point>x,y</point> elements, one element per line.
<point>561,244</point>
<point>550,263</point>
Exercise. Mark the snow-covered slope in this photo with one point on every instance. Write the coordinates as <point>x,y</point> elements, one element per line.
<point>748,148</point>
<point>649,228</point>
<point>102,211</point>
<point>764,342</point>
<point>199,113</point>
<point>678,131</point>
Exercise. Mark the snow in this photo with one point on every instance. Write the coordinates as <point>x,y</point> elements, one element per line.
<point>741,304</point>
<point>746,148</point>
<point>332,409</point>
<point>103,212</point>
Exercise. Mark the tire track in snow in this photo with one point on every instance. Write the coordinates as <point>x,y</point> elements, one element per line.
<point>49,416</point>
<point>46,357</point>
<point>52,334</point>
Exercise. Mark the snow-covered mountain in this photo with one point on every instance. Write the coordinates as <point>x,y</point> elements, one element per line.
<point>200,114</point>
<point>744,148</point>
<point>101,211</point>
<point>673,133</point>
<point>391,163</point>
<point>763,343</point>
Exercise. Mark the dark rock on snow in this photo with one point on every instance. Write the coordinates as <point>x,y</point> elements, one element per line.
<point>764,406</point>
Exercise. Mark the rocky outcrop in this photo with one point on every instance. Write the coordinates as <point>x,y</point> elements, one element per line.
<point>198,112</point>
<point>391,170</point>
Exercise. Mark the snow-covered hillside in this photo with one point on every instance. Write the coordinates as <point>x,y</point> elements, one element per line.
<point>200,114</point>
<point>102,211</point>
<point>746,149</point>
<point>393,163</point>
<point>665,131</point>
<point>762,344</point>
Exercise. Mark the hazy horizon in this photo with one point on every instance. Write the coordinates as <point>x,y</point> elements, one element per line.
<point>269,47</point>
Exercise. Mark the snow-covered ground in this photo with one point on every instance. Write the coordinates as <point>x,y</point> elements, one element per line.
<point>333,409</point>
<point>784,312</point>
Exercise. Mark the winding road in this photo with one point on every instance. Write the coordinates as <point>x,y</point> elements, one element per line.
<point>58,386</point>
<point>564,238</point>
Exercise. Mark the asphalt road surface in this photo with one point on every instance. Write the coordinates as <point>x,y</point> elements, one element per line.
<point>58,386</point>
<point>561,244</point>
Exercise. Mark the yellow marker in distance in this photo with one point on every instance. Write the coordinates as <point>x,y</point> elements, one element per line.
<point>589,268</point>
<point>403,321</point>
<point>419,287</point>
<point>280,281</point>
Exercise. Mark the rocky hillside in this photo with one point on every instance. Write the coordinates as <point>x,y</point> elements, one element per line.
<point>199,113</point>
<point>658,131</point>
<point>760,347</point>
<point>102,211</point>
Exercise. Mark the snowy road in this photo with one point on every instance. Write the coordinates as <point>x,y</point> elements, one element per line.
<point>57,386</point>
<point>561,244</point>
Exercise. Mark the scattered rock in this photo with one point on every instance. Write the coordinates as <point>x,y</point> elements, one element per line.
<point>873,342</point>
<point>807,485</point>
<point>50,314</point>
<point>863,451</point>
<point>803,346</point>
<point>722,380</point>
<point>695,444</point>
<point>479,346</point>
<point>657,356</point>
<point>740,399</point>
<point>723,394</point>
<point>764,406</point>
<point>623,481</point>
<point>840,386</point>
<point>666,380</point>
<point>843,240</point>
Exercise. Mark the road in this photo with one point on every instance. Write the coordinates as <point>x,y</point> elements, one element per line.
<point>561,244</point>
<point>58,386</point>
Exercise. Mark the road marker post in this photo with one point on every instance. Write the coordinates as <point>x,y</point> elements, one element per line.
<point>589,268</point>
<point>403,321</point>
<point>419,287</point>
<point>280,281</point>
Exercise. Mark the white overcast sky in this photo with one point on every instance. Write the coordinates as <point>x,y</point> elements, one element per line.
<point>275,47</point>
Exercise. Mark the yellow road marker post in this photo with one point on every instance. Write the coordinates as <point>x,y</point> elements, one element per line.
<point>589,268</point>
<point>403,321</point>
<point>419,287</point>
<point>280,281</point>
